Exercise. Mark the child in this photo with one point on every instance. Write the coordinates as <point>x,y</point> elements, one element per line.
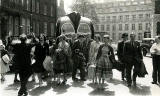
<point>4,67</point>
<point>60,66</point>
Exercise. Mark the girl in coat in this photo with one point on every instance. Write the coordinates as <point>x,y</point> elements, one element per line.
<point>92,58</point>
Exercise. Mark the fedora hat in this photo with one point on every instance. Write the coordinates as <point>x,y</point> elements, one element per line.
<point>124,35</point>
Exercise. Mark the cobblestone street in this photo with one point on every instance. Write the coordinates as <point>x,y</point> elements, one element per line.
<point>115,87</point>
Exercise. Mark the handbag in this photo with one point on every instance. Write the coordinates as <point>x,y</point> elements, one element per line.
<point>48,63</point>
<point>91,71</point>
<point>6,59</point>
<point>142,70</point>
<point>118,65</point>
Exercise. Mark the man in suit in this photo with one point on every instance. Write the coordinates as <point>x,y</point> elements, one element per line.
<point>78,58</point>
<point>155,51</point>
<point>133,57</point>
<point>120,52</point>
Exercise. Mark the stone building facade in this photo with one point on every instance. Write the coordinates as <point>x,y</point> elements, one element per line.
<point>130,16</point>
<point>25,16</point>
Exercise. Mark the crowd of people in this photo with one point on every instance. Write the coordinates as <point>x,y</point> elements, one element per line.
<point>63,56</point>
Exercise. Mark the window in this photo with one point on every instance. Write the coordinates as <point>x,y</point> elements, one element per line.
<point>28,5</point>
<point>10,25</point>
<point>148,1</point>
<point>45,28</point>
<point>139,36</point>
<point>148,26</point>
<point>51,10</point>
<point>52,29</point>
<point>140,16</point>
<point>97,27</point>
<point>16,29</point>
<point>28,26</point>
<point>37,7</point>
<point>140,26</point>
<point>120,27</point>
<point>133,27</point>
<point>133,17</point>
<point>126,27</point>
<point>22,2</point>
<point>45,9</point>
<point>108,27</point>
<point>103,18</point>
<point>22,26</point>
<point>127,17</point>
<point>135,3</point>
<point>142,2</point>
<point>102,27</point>
<point>120,35</point>
<point>108,18</point>
<point>120,18</point>
<point>33,5</point>
<point>113,27</point>
<point>113,18</point>
<point>84,28</point>
<point>34,26</point>
<point>128,3</point>
<point>147,16</point>
<point>114,36</point>
<point>37,29</point>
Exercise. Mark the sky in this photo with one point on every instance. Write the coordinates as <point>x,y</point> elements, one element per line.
<point>68,3</point>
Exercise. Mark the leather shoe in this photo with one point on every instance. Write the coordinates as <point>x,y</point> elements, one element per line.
<point>75,79</point>
<point>83,79</point>
<point>134,83</point>
<point>154,82</point>
<point>129,85</point>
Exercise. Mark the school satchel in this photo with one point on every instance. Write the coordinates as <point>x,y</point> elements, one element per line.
<point>6,59</point>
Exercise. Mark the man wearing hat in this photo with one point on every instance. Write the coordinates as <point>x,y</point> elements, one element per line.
<point>120,52</point>
<point>23,62</point>
<point>78,58</point>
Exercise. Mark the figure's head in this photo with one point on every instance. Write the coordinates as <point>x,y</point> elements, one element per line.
<point>81,38</point>
<point>97,37</point>
<point>1,45</point>
<point>106,38</point>
<point>42,37</point>
<point>157,39</point>
<point>62,38</point>
<point>132,37</point>
<point>124,36</point>
<point>23,38</point>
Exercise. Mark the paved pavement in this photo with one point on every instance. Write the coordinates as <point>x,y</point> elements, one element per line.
<point>114,87</point>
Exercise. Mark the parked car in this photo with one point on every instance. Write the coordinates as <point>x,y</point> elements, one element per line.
<point>146,45</point>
